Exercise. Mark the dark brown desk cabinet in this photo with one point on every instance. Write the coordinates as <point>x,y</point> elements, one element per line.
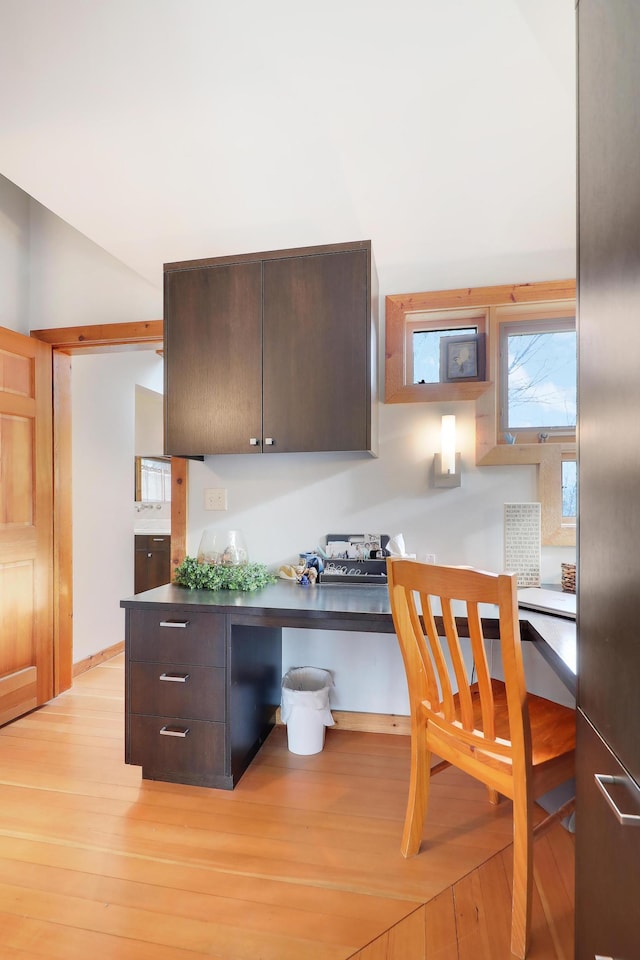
<point>271,352</point>
<point>198,706</point>
<point>152,565</point>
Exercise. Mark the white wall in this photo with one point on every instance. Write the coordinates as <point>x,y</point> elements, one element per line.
<point>103,441</point>
<point>14,257</point>
<point>149,422</point>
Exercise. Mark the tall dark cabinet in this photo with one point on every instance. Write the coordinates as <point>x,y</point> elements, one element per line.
<point>608,757</point>
<point>271,352</point>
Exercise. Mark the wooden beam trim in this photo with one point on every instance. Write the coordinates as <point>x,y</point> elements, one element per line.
<point>86,338</point>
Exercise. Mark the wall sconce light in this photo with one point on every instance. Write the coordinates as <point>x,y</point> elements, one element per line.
<point>446,464</point>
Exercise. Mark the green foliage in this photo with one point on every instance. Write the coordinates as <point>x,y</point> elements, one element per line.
<point>216,576</point>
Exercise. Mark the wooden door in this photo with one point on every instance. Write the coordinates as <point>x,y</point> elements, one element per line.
<point>26,525</point>
<point>317,317</point>
<point>213,359</point>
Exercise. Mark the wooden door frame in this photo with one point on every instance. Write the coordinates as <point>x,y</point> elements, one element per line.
<point>67,342</point>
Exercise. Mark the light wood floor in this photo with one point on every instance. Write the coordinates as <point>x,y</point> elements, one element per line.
<point>300,862</point>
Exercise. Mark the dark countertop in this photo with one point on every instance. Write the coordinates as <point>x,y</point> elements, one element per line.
<point>356,608</point>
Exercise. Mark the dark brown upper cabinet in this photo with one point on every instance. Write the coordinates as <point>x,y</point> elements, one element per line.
<point>271,352</point>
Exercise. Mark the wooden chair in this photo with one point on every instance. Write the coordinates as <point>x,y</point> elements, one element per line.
<point>518,744</point>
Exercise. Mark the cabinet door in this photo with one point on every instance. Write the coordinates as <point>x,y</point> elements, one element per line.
<point>213,359</point>
<point>609,387</point>
<point>607,871</point>
<point>317,353</point>
<point>152,562</point>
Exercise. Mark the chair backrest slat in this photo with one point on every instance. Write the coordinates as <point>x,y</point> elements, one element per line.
<point>437,653</point>
<point>479,651</point>
<point>457,660</point>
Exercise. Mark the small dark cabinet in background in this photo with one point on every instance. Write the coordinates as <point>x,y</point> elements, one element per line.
<point>271,352</point>
<point>152,566</point>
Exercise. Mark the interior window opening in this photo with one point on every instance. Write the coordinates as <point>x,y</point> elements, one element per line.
<point>426,351</point>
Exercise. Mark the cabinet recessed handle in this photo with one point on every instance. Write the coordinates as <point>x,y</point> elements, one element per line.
<point>174,731</point>
<point>254,441</point>
<point>175,677</point>
<point>626,819</point>
<point>180,624</point>
<point>268,441</point>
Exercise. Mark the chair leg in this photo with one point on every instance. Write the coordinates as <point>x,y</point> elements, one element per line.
<point>418,794</point>
<point>494,796</point>
<point>522,872</point>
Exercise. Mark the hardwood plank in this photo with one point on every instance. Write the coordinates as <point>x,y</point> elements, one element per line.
<point>471,921</point>
<point>378,950</point>
<point>557,902</point>
<point>407,938</point>
<point>441,939</point>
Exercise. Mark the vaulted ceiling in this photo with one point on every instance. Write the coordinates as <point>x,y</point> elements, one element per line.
<point>442,130</point>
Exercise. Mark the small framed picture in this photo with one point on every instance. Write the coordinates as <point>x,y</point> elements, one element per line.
<point>462,358</point>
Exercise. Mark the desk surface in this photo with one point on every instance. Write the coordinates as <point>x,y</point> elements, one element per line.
<point>356,608</point>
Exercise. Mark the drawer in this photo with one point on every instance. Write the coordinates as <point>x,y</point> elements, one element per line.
<point>189,691</point>
<point>177,635</point>
<point>153,541</point>
<point>173,749</point>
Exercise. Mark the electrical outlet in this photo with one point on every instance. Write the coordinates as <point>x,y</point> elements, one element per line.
<point>429,558</point>
<point>215,498</point>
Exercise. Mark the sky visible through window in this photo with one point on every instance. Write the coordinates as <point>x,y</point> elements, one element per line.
<point>426,352</point>
<point>541,382</point>
<point>569,489</point>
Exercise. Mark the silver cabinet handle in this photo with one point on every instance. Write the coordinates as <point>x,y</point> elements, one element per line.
<point>174,731</point>
<point>174,677</point>
<point>181,624</point>
<point>626,819</point>
<point>268,441</point>
<point>158,539</point>
<point>253,441</point>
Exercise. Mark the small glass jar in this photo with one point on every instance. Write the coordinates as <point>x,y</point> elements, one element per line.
<point>226,547</point>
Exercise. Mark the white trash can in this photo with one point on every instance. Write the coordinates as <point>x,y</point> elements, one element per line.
<point>305,708</point>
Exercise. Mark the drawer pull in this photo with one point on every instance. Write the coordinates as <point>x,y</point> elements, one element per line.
<point>181,624</point>
<point>158,539</point>
<point>626,819</point>
<point>169,731</point>
<point>175,677</point>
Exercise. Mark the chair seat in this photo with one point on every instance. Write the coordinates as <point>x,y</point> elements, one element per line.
<point>553,726</point>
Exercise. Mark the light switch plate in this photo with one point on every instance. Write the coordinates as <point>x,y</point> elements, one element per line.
<point>215,498</point>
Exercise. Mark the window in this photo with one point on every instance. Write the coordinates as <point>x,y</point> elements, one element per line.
<point>153,479</point>
<point>538,377</point>
<point>569,491</point>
